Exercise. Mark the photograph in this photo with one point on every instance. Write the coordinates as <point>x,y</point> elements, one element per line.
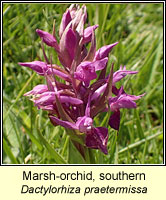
<point>83,83</point>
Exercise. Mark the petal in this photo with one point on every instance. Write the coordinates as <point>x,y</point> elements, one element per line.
<point>98,92</point>
<point>123,100</point>
<point>77,18</point>
<point>39,89</point>
<point>118,75</point>
<point>60,122</point>
<point>85,12</point>
<point>114,120</point>
<point>37,66</point>
<point>88,33</point>
<point>104,51</point>
<point>122,103</point>
<point>100,64</point>
<point>133,97</point>
<point>87,110</point>
<point>48,38</point>
<point>70,42</point>
<point>73,9</point>
<point>65,21</point>
<point>58,73</point>
<point>47,108</point>
<point>103,135</point>
<point>46,98</point>
<point>113,100</point>
<point>85,72</point>
<point>80,27</point>
<point>71,100</point>
<point>67,47</point>
<point>84,124</point>
<point>97,139</point>
<point>90,141</point>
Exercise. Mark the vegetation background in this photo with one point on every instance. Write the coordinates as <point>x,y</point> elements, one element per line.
<point>139,29</point>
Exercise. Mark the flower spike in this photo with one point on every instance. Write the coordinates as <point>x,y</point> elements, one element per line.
<point>79,88</point>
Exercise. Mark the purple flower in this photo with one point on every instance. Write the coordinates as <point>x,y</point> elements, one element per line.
<point>49,98</point>
<point>121,73</point>
<point>65,21</point>
<point>104,51</point>
<point>78,90</point>
<point>67,47</point>
<point>122,100</point>
<point>40,67</point>
<point>86,71</point>
<point>44,69</point>
<point>39,89</point>
<point>47,38</point>
<point>117,76</point>
<point>87,37</point>
<point>96,138</point>
<point>84,124</point>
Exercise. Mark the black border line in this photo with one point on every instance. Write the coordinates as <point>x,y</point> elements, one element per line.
<point>68,165</point>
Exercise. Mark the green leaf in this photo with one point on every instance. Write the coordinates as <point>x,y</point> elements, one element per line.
<point>138,124</point>
<point>8,151</point>
<point>55,155</point>
<point>19,95</point>
<point>17,136</point>
<point>74,156</point>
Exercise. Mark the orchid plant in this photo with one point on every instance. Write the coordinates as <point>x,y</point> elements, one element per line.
<point>75,93</point>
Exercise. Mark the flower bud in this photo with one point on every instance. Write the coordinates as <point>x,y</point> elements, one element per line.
<point>48,39</point>
<point>67,47</point>
<point>65,21</point>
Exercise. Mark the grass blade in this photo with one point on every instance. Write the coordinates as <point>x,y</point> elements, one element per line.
<point>8,151</point>
<point>58,158</point>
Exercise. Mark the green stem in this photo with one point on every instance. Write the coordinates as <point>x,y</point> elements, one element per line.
<point>65,145</point>
<point>131,146</point>
<point>116,153</point>
<point>92,158</point>
<point>87,156</point>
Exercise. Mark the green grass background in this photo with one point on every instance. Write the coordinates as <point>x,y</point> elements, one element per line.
<point>29,137</point>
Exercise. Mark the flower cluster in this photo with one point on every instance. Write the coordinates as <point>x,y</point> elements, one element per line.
<point>70,97</point>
